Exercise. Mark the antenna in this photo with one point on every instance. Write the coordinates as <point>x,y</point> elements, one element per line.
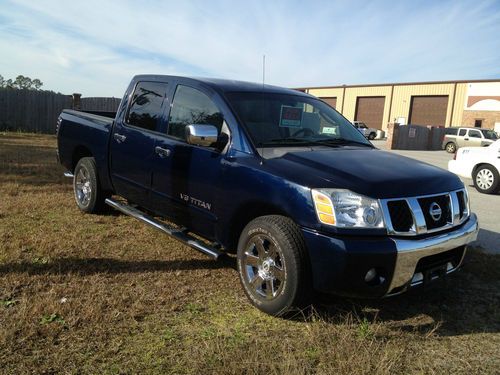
<point>263,70</point>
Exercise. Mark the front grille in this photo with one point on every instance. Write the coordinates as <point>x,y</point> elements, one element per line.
<point>425,214</point>
<point>401,217</point>
<point>442,203</point>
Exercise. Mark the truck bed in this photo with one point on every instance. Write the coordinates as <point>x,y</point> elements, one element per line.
<point>80,134</point>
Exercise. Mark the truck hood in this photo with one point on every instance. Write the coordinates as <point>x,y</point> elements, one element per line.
<point>370,172</point>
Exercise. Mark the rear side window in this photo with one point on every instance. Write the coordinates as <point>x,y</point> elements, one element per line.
<point>462,132</point>
<point>191,106</point>
<point>146,107</point>
<point>475,134</point>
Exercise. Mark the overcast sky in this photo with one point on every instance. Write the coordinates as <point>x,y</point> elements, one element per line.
<point>95,47</point>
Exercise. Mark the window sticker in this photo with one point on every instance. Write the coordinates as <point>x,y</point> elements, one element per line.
<point>329,130</point>
<point>290,117</point>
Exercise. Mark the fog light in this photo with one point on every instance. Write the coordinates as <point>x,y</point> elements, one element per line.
<point>449,267</point>
<point>370,275</point>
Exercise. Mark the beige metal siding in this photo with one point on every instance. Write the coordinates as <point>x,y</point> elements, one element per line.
<point>458,109</point>
<point>329,93</point>
<point>352,93</point>
<point>402,98</point>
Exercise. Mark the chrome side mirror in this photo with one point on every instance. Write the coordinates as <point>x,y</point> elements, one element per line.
<point>201,135</point>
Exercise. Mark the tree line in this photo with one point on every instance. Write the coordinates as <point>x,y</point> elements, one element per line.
<point>21,82</point>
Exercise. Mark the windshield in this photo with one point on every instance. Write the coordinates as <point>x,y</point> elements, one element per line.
<point>281,119</point>
<point>489,134</point>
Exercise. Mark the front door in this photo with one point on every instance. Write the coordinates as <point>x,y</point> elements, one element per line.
<point>185,177</point>
<point>133,141</point>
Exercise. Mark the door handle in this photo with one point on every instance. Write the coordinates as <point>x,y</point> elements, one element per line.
<point>119,137</point>
<point>162,152</point>
<point>466,139</point>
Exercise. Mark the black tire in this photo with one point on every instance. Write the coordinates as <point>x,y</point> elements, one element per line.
<point>89,196</point>
<point>276,275</point>
<point>486,179</point>
<point>372,136</point>
<point>450,147</point>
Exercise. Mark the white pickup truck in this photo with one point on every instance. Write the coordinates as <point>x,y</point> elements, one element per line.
<point>369,133</point>
<point>482,164</point>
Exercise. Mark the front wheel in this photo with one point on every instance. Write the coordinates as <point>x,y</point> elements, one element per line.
<point>273,266</point>
<point>486,179</point>
<point>88,194</point>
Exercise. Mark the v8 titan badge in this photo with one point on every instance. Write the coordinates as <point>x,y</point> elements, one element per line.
<point>195,202</point>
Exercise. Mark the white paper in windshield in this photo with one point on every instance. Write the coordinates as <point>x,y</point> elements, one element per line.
<point>329,130</point>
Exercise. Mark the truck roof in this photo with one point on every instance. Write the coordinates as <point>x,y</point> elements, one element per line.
<point>225,85</point>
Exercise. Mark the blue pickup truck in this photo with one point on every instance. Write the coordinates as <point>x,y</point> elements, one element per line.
<point>277,177</point>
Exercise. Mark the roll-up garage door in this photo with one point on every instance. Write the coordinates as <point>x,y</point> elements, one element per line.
<point>370,110</point>
<point>428,110</point>
<point>332,101</point>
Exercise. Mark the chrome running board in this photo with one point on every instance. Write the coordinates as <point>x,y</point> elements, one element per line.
<point>178,234</point>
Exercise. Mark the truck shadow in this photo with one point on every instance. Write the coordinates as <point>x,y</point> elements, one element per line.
<point>91,266</point>
<point>466,302</point>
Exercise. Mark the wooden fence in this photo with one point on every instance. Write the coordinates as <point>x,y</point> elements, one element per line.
<point>37,111</point>
<point>100,104</point>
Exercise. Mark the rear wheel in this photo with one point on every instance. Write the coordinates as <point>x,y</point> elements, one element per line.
<point>273,266</point>
<point>486,179</point>
<point>372,136</point>
<point>89,196</point>
<point>451,147</point>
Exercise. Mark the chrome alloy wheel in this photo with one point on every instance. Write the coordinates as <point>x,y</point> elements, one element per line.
<point>485,179</point>
<point>264,267</point>
<point>83,188</point>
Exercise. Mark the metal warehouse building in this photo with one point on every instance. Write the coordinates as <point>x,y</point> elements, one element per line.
<point>447,103</point>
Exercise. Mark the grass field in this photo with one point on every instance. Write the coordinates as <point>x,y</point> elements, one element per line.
<point>85,294</point>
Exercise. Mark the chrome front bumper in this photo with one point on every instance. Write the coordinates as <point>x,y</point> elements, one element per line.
<point>410,251</point>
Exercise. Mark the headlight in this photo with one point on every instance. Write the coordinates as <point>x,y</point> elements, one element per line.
<point>345,209</point>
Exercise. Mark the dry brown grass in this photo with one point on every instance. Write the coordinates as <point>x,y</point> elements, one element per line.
<point>84,294</point>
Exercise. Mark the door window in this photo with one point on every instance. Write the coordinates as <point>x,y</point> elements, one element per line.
<point>191,106</point>
<point>146,106</point>
<point>461,133</point>
<point>474,134</point>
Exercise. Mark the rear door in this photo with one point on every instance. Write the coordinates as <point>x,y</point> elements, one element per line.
<point>460,139</point>
<point>133,141</point>
<point>185,177</point>
<point>474,138</point>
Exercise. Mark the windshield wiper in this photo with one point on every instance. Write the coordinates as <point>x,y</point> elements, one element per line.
<point>291,140</point>
<point>330,142</point>
<point>341,141</point>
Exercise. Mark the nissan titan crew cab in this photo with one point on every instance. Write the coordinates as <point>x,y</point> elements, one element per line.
<point>276,176</point>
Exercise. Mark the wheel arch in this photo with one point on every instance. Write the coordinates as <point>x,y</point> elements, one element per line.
<point>79,152</point>
<point>244,214</point>
<point>480,164</point>
<point>450,141</point>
